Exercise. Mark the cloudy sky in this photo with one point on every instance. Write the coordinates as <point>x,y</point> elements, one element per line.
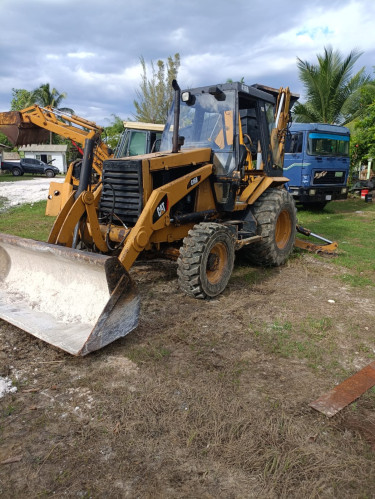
<point>90,49</point>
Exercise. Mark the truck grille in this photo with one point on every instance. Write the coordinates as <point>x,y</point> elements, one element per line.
<point>321,177</point>
<point>122,190</point>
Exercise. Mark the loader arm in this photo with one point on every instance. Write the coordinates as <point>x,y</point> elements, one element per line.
<point>71,214</point>
<point>156,213</point>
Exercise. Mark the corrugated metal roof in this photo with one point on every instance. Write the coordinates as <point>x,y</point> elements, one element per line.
<point>43,148</point>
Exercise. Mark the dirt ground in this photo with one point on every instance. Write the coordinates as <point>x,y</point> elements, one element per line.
<point>204,399</point>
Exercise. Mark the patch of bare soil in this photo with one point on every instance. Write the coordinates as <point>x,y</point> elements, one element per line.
<point>204,399</point>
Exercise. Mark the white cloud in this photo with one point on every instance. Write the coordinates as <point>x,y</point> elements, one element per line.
<point>81,55</point>
<point>178,35</point>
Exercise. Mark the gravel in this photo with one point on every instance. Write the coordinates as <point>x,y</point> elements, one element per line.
<point>25,191</point>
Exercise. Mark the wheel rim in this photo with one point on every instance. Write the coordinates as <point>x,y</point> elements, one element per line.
<point>283,229</point>
<point>216,263</point>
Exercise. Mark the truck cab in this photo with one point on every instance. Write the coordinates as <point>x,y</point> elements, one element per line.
<point>317,163</point>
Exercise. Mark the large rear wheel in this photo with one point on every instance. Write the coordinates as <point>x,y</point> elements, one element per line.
<point>276,216</point>
<point>206,260</point>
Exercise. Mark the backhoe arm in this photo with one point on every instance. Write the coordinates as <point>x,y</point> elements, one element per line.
<point>31,126</point>
<point>278,134</point>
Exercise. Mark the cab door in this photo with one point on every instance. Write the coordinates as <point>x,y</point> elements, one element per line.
<point>294,158</point>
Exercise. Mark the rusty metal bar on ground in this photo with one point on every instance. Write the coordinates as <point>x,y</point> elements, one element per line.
<point>346,392</point>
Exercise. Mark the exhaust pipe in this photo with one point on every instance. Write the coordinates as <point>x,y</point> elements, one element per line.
<point>176,117</point>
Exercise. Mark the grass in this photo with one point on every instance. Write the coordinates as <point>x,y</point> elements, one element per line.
<point>8,177</point>
<point>28,221</point>
<point>311,340</point>
<point>352,224</point>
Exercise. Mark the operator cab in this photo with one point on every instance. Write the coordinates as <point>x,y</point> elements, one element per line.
<point>234,120</point>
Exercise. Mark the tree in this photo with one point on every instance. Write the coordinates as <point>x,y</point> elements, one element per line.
<point>330,88</point>
<point>4,141</point>
<point>363,138</point>
<point>155,95</point>
<point>44,96</point>
<point>114,131</point>
<point>21,99</point>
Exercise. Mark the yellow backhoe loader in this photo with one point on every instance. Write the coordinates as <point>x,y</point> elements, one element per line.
<point>215,187</point>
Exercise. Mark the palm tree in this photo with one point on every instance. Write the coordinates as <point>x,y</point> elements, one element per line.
<point>330,88</point>
<point>44,97</point>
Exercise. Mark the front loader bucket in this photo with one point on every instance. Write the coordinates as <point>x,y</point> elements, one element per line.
<point>75,300</point>
<point>20,133</point>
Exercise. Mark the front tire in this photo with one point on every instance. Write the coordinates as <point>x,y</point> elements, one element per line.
<point>206,260</point>
<point>50,173</point>
<point>276,216</point>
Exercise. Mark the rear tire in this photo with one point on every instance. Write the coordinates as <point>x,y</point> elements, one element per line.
<point>206,260</point>
<point>17,172</point>
<point>276,216</point>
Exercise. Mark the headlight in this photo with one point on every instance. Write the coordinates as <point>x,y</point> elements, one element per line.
<point>185,96</point>
<point>344,190</point>
<point>312,192</point>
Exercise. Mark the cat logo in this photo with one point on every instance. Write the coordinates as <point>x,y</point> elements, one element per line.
<point>193,181</point>
<point>161,208</point>
<point>320,174</point>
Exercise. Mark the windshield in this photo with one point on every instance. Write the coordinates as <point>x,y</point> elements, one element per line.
<point>325,144</point>
<point>206,122</point>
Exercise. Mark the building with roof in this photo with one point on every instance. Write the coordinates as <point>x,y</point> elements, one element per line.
<point>49,153</point>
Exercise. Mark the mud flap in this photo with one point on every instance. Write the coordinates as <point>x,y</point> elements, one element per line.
<point>74,300</point>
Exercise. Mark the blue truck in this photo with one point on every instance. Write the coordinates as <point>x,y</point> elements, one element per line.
<point>317,163</point>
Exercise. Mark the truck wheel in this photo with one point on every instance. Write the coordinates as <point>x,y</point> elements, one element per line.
<point>275,213</point>
<point>206,260</point>
<point>16,171</point>
<point>50,173</point>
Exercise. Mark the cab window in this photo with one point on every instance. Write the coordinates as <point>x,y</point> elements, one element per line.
<point>293,143</point>
<point>137,143</point>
